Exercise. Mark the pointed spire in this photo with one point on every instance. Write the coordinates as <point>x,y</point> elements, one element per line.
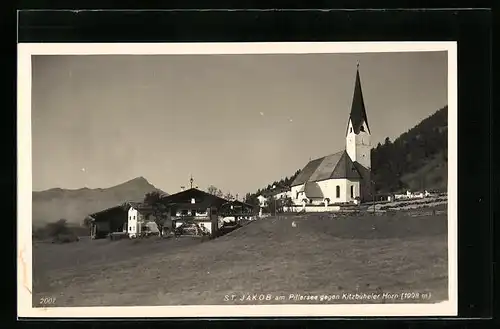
<point>358,111</point>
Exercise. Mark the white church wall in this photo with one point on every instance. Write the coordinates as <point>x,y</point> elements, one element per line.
<point>329,189</point>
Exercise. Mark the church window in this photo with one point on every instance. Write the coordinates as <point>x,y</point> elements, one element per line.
<point>338,191</point>
<point>350,130</point>
<point>362,128</point>
<point>352,191</point>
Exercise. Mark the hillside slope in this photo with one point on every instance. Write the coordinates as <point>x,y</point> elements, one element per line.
<point>416,160</point>
<point>73,205</point>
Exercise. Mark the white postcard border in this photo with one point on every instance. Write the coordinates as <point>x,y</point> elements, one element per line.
<point>24,182</point>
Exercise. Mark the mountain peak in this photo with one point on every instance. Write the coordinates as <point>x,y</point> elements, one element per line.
<point>74,205</point>
<point>139,179</point>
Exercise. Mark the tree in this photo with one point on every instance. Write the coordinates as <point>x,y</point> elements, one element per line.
<point>272,205</point>
<point>160,211</point>
<point>57,228</point>
<point>288,202</point>
<point>219,193</point>
<point>87,221</point>
<point>228,196</point>
<point>212,190</point>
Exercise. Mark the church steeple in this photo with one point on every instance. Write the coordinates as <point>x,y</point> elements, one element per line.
<point>358,135</point>
<point>358,111</point>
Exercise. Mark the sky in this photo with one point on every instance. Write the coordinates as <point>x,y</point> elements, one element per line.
<point>238,122</point>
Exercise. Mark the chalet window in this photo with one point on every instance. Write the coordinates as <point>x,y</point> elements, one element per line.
<point>214,211</point>
<point>352,191</point>
<point>193,212</point>
<point>184,212</point>
<point>338,191</point>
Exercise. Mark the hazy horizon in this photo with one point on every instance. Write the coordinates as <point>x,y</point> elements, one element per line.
<point>238,122</point>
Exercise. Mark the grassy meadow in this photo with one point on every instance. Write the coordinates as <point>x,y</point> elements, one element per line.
<point>313,254</point>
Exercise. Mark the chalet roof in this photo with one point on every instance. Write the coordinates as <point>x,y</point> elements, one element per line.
<point>109,212</point>
<point>184,197</point>
<point>334,166</point>
<point>243,204</point>
<point>358,111</point>
<point>189,206</point>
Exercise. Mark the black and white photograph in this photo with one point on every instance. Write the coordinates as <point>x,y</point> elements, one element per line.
<point>264,179</point>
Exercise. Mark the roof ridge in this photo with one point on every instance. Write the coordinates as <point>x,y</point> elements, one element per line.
<point>342,151</point>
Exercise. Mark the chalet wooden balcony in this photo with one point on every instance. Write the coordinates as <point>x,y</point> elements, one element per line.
<point>191,217</point>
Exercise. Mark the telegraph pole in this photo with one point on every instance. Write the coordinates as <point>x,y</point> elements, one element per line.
<point>373,195</point>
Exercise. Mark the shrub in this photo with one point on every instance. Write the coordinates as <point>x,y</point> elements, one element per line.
<point>58,231</point>
<point>65,238</point>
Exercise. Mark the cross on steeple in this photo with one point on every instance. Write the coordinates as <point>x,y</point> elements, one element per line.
<point>191,180</point>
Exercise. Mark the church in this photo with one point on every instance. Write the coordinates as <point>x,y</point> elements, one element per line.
<point>342,177</point>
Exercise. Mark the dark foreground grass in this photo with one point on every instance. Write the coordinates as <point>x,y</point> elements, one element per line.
<point>320,256</point>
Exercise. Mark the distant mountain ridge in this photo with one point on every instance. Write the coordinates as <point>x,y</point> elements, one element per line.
<point>74,204</point>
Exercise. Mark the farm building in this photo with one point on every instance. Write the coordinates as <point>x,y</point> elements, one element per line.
<point>140,219</point>
<point>281,192</point>
<point>277,193</point>
<point>131,218</point>
<point>236,210</point>
<point>108,221</point>
<point>243,208</point>
<point>194,206</point>
<point>190,207</point>
<point>342,177</point>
